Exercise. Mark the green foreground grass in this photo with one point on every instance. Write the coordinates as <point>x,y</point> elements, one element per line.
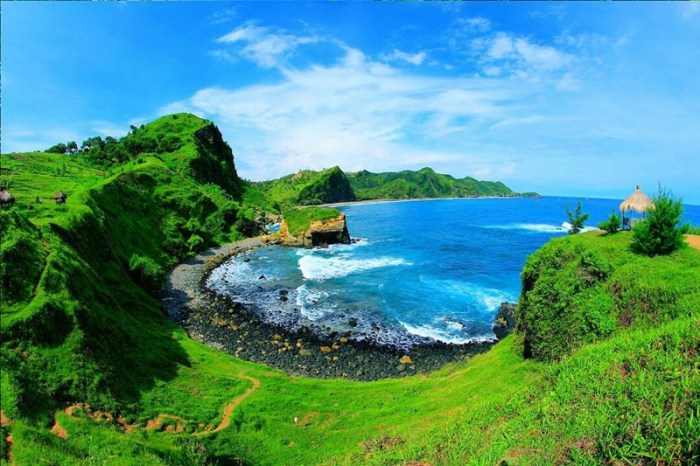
<point>80,325</point>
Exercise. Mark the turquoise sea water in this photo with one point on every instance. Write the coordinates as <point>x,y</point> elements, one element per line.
<point>419,270</point>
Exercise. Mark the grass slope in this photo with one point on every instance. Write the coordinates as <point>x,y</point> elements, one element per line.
<point>83,328</point>
<point>424,183</point>
<point>308,187</point>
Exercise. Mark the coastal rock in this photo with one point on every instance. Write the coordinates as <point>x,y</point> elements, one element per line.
<point>320,233</point>
<point>505,320</point>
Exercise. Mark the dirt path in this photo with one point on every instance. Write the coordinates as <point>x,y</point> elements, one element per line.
<point>693,241</point>
<point>228,410</point>
<point>7,422</point>
<point>156,423</point>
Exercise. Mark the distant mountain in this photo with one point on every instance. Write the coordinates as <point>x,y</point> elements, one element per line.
<point>424,183</point>
<point>309,187</point>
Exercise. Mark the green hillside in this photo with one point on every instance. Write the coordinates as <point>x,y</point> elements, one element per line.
<point>424,183</point>
<point>603,368</point>
<point>308,187</point>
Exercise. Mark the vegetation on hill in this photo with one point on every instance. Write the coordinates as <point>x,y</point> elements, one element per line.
<point>424,183</point>
<point>298,220</point>
<point>308,187</point>
<point>578,290</point>
<point>661,231</point>
<point>614,336</point>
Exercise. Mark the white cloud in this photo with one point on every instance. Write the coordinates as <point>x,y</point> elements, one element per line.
<point>26,139</point>
<point>520,54</point>
<point>358,113</point>
<point>476,24</point>
<point>259,44</point>
<point>223,15</point>
<point>412,58</point>
<point>107,128</point>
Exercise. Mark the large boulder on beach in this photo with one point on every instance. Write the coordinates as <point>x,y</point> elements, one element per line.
<point>320,233</point>
<point>505,320</point>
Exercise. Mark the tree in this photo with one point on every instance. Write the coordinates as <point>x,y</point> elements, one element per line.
<point>661,232</point>
<point>72,147</point>
<point>59,148</point>
<point>612,224</point>
<point>576,218</point>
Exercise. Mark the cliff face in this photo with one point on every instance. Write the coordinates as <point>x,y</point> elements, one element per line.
<point>319,233</point>
<point>331,185</point>
<point>214,163</point>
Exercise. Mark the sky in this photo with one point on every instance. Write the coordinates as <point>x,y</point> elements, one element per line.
<point>575,99</point>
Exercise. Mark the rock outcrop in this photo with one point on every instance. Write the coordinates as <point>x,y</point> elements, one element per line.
<point>320,233</point>
<point>505,320</point>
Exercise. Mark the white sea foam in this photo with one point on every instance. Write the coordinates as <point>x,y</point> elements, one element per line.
<point>308,302</point>
<point>438,334</point>
<point>490,298</point>
<point>538,227</point>
<point>314,267</point>
<point>333,248</point>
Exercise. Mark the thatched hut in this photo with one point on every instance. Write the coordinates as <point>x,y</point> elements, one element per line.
<point>60,198</point>
<point>6,199</point>
<point>635,202</point>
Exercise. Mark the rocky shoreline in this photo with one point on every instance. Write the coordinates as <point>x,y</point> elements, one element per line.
<point>221,323</point>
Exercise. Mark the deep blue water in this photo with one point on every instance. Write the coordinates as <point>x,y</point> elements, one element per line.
<point>420,270</point>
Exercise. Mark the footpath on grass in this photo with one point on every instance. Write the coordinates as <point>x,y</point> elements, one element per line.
<point>181,424</point>
<point>693,241</point>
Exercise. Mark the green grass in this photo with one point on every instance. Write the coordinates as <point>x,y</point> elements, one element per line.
<point>618,333</point>
<point>584,287</point>
<point>299,219</point>
<point>424,183</point>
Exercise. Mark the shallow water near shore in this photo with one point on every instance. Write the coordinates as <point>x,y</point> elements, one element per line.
<point>418,272</point>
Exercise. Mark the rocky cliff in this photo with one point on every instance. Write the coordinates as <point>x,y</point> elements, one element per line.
<point>320,233</point>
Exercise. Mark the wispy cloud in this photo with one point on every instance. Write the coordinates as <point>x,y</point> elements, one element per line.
<point>26,139</point>
<point>412,58</point>
<point>267,48</point>
<point>358,112</point>
<point>223,15</point>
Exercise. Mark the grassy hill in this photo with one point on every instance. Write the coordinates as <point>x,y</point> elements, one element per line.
<point>424,183</point>
<point>603,369</point>
<point>308,187</point>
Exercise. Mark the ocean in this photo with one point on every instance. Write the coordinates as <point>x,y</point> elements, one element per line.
<point>418,271</point>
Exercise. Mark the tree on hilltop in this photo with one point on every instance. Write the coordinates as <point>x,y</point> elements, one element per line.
<point>661,232</point>
<point>576,218</point>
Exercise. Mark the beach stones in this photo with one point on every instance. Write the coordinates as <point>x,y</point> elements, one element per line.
<point>406,359</point>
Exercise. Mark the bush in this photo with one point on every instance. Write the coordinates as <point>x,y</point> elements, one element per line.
<point>146,272</point>
<point>576,218</point>
<point>195,243</point>
<point>612,224</point>
<point>660,233</point>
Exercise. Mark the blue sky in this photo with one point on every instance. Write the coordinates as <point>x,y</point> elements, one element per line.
<point>581,99</point>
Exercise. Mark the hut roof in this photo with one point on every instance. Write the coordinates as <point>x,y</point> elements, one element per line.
<point>636,201</point>
<point>61,196</point>
<point>5,196</point>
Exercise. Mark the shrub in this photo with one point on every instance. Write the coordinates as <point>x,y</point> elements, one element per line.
<point>195,243</point>
<point>146,272</point>
<point>612,224</point>
<point>576,218</point>
<point>660,233</point>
